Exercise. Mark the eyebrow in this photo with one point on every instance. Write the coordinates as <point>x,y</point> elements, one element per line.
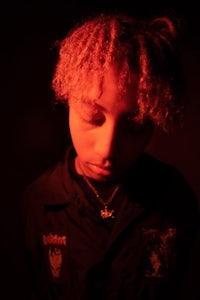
<point>99,106</point>
<point>94,104</point>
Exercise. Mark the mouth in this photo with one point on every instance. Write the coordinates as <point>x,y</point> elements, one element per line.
<point>97,171</point>
<point>101,170</point>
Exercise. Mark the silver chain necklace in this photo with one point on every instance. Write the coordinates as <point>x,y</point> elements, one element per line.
<point>105,212</point>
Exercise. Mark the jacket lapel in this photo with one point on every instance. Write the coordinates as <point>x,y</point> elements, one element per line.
<point>130,212</point>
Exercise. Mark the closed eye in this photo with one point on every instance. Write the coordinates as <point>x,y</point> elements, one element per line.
<point>92,115</point>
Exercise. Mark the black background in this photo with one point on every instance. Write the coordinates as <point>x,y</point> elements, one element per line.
<point>32,137</point>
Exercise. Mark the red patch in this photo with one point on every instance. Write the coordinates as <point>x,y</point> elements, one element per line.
<point>54,239</point>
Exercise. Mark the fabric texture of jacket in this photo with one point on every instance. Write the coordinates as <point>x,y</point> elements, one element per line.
<point>144,255</point>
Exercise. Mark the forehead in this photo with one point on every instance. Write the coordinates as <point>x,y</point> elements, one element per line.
<point>119,87</point>
<point>120,80</point>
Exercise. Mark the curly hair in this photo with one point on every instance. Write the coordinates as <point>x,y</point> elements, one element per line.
<point>145,47</point>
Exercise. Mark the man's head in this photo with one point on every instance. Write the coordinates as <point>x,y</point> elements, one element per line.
<point>147,48</point>
<point>120,77</point>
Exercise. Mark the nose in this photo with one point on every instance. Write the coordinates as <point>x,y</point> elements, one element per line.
<point>106,141</point>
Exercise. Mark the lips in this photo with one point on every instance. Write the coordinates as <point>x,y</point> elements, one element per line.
<point>103,167</point>
<point>101,170</point>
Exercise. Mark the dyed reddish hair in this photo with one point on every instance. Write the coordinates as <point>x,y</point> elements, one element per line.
<point>147,48</point>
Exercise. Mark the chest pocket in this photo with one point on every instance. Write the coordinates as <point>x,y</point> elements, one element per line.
<point>159,251</point>
<point>149,253</point>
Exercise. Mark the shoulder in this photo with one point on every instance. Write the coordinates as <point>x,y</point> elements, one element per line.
<point>45,182</point>
<point>160,174</point>
<point>51,187</point>
<point>164,184</point>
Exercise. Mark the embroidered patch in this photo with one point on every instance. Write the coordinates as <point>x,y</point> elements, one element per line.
<point>54,239</point>
<point>54,243</point>
<point>160,251</point>
<point>55,259</point>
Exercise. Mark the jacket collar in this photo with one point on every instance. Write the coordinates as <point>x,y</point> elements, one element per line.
<point>59,183</point>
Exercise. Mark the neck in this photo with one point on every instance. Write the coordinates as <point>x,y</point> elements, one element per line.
<point>93,188</point>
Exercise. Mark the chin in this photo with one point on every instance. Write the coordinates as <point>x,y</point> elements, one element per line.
<point>105,178</point>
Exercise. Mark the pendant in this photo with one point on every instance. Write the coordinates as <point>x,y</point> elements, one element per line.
<point>107,213</point>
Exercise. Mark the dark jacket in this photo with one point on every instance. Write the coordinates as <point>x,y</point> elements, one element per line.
<point>144,256</point>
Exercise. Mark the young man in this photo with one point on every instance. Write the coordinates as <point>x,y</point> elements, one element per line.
<point>109,221</point>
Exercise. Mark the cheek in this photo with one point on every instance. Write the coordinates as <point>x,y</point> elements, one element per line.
<point>74,127</point>
<point>80,138</point>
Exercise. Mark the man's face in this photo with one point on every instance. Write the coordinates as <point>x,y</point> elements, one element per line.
<point>104,133</point>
